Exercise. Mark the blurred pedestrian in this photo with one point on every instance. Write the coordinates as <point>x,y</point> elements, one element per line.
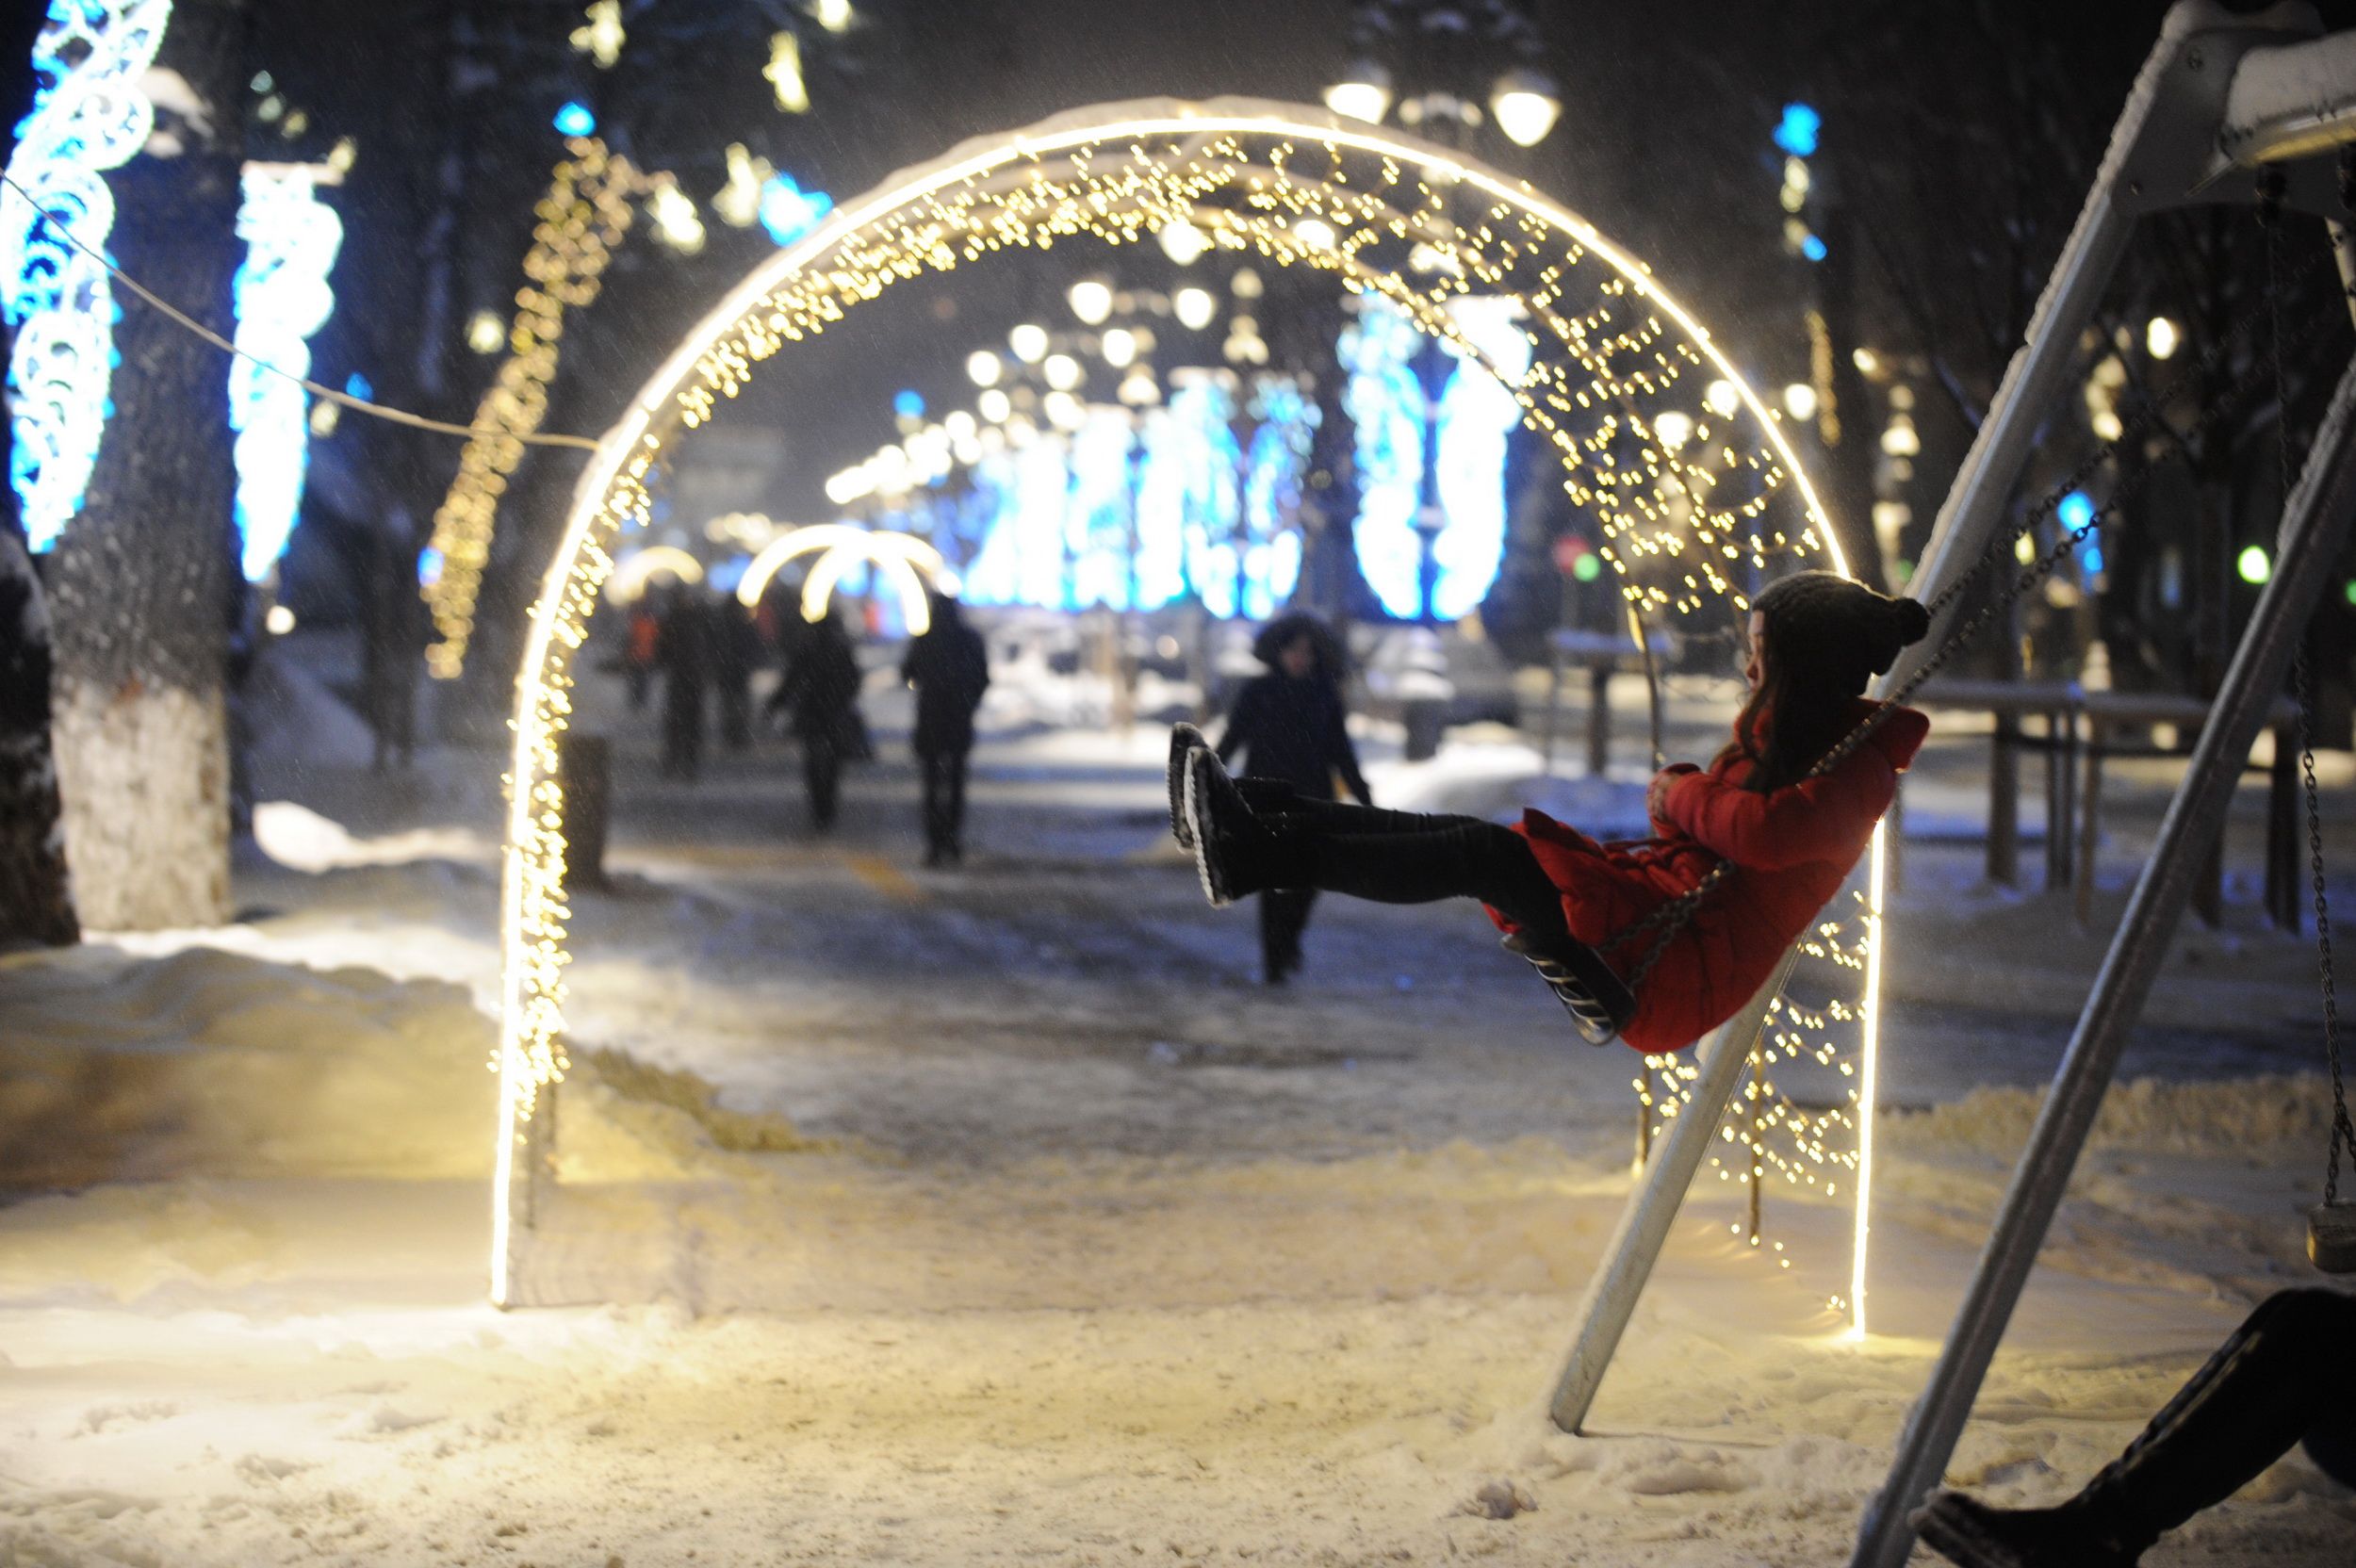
<point>736,652</point>
<point>950,670</point>
<point>2287,1376</point>
<point>1289,723</point>
<point>684,652</point>
<point>643,649</point>
<point>821,688</point>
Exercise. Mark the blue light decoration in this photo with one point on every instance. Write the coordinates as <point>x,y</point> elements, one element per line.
<point>2075,510</point>
<point>1813,248</point>
<point>908,403</point>
<point>986,519</point>
<point>282,298</point>
<point>1478,415</point>
<point>1201,471</point>
<point>788,211</point>
<point>1041,492</point>
<point>1099,521</point>
<point>358,386</point>
<point>1386,406</point>
<point>88,116</point>
<point>1798,131</point>
<point>429,567</point>
<point>574,118</point>
<point>1273,470</point>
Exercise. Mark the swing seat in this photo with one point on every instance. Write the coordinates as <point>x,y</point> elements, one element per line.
<point>2331,1237</point>
<point>1598,1000</point>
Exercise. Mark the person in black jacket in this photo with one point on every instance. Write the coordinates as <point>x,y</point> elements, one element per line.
<point>820,686</point>
<point>1288,723</point>
<point>684,653</point>
<point>950,670</point>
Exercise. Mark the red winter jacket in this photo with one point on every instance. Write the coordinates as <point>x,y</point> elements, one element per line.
<point>1791,849</point>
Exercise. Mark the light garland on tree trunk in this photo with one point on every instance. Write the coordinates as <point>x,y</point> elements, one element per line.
<point>585,215</point>
<point>89,115</point>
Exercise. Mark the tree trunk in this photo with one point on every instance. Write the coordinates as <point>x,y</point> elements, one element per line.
<point>143,576</point>
<point>35,900</point>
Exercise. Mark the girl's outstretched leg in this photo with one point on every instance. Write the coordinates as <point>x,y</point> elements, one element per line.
<point>1400,858</point>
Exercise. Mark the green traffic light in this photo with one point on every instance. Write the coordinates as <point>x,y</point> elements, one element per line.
<point>1590,567</point>
<point>2253,564</point>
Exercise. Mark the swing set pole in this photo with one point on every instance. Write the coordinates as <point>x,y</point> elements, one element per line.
<point>1613,1289</point>
<point>2315,527</point>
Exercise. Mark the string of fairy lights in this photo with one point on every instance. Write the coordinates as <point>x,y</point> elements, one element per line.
<point>585,215</point>
<point>1695,487</point>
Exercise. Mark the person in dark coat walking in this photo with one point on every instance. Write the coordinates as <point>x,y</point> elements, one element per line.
<point>736,652</point>
<point>1290,725</point>
<point>950,670</point>
<point>821,687</point>
<point>684,653</point>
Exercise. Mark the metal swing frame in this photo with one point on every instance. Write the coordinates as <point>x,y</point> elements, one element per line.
<point>2219,97</point>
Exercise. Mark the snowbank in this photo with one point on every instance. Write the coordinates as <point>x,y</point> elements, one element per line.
<point>215,1065</point>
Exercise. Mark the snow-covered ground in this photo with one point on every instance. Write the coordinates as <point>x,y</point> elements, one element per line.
<point>1000,1216</point>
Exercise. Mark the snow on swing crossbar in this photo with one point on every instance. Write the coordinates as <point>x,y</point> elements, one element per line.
<point>2219,97</point>
<point>1692,527</point>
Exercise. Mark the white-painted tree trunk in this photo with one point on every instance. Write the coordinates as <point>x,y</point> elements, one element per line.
<point>145,776</point>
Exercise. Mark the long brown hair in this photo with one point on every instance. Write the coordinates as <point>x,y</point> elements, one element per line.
<point>1789,722</point>
<point>1821,638</point>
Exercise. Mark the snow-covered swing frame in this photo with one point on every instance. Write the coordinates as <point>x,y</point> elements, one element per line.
<point>1131,167</point>
<point>2221,97</point>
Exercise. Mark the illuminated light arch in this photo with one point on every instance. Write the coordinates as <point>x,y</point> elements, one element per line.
<point>842,550</point>
<point>635,571</point>
<point>1119,173</point>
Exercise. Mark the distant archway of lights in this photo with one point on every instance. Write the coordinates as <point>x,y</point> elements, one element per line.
<point>905,560</point>
<point>1297,187</point>
<point>634,572</point>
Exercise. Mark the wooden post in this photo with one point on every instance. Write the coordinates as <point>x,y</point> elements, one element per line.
<point>1599,718</point>
<point>2090,821</point>
<point>1554,707</point>
<point>2004,802</point>
<point>585,772</point>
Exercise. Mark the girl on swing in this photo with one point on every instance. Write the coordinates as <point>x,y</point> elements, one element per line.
<point>1814,639</point>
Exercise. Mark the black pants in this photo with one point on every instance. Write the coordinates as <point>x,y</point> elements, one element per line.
<point>683,728</point>
<point>822,772</point>
<point>2287,1374</point>
<point>736,716</point>
<point>944,802</point>
<point>1284,916</point>
<point>1413,857</point>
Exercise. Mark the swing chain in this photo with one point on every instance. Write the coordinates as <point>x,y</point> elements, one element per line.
<point>2302,675</point>
<point>2342,1129</point>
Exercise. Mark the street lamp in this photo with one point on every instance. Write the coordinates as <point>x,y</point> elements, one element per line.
<point>1091,301</point>
<point>1525,105</point>
<point>1362,94</point>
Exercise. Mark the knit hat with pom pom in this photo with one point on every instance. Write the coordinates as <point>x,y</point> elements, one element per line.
<point>1822,627</point>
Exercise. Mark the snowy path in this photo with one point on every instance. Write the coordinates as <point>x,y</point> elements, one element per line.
<point>1025,1228</point>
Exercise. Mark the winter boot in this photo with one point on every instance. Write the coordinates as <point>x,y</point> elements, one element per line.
<point>1236,854</point>
<point>1599,1003</point>
<point>1184,740</point>
<point>1264,795</point>
<point>1973,1535</point>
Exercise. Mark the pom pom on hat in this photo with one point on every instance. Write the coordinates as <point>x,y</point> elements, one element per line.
<point>1823,627</point>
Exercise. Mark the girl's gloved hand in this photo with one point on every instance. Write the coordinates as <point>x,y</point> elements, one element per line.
<point>1657,796</point>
